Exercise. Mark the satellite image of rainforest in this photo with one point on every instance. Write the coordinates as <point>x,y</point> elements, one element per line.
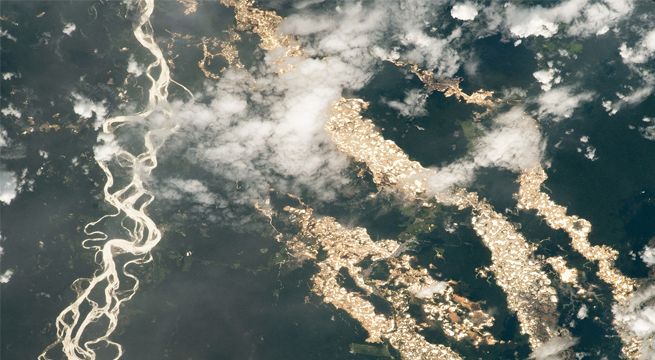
<point>327,179</point>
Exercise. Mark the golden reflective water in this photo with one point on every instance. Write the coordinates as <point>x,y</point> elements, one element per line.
<point>448,86</point>
<point>212,48</point>
<point>517,271</point>
<point>344,249</point>
<point>530,197</point>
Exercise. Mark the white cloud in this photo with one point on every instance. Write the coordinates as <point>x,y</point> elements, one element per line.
<point>430,52</point>
<point>560,102</point>
<point>547,78</point>
<point>583,17</point>
<point>263,130</point>
<point>513,143</point>
<point>637,58</point>
<point>176,189</point>
<point>540,21</point>
<point>465,11</point>
<point>638,315</point>
<point>304,3</point>
<point>645,323</point>
<point>642,52</point>
<point>458,173</point>
<point>633,96</point>
<point>428,291</point>
<point>107,147</point>
<point>6,276</point>
<point>69,28</point>
<point>8,179</point>
<point>588,149</point>
<point>86,108</point>
<point>133,67</point>
<point>4,139</point>
<point>353,32</point>
<point>10,110</point>
<point>302,25</point>
<point>598,17</point>
<point>554,349</point>
<point>272,137</point>
<point>638,95</point>
<point>648,255</point>
<point>6,34</point>
<point>8,186</point>
<point>590,153</point>
<point>648,132</point>
<point>347,32</point>
<point>583,312</point>
<point>412,106</point>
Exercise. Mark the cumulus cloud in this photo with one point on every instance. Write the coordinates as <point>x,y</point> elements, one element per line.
<point>637,95</point>
<point>583,17</point>
<point>554,349</point>
<point>642,52</point>
<point>598,17</point>
<point>394,28</point>
<point>4,139</point>
<point>6,34</point>
<point>637,58</point>
<point>6,276</point>
<point>302,25</point>
<point>86,108</point>
<point>648,256</point>
<point>347,32</point>
<point>106,148</point>
<point>633,95</point>
<point>272,137</point>
<point>644,323</point>
<point>8,186</point>
<point>648,132</point>
<point>177,189</point>
<point>8,179</point>
<point>430,52</point>
<point>638,316</point>
<point>261,130</point>
<point>69,28</point>
<point>412,106</point>
<point>559,103</point>
<point>513,143</point>
<point>134,68</point>
<point>305,3</point>
<point>428,291</point>
<point>547,78</point>
<point>588,149</point>
<point>465,11</point>
<point>10,110</point>
<point>540,21</point>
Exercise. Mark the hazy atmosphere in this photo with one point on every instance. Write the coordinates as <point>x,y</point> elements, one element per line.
<point>327,179</point>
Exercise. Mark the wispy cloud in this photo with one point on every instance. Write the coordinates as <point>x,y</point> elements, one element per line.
<point>514,142</point>
<point>560,102</point>
<point>263,129</point>
<point>581,17</point>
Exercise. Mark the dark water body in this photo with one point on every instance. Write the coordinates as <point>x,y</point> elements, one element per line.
<point>235,297</point>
